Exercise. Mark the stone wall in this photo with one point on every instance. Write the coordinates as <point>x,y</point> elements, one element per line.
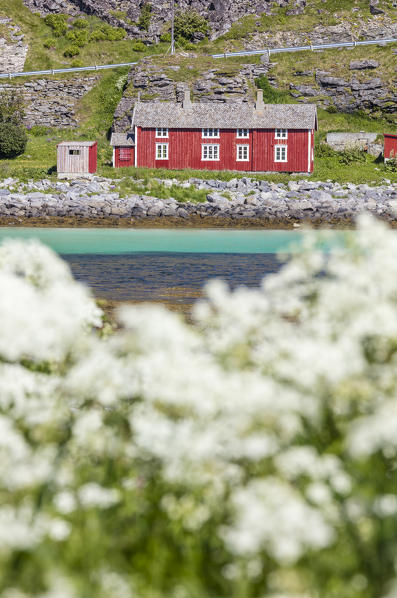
<point>13,49</point>
<point>52,103</point>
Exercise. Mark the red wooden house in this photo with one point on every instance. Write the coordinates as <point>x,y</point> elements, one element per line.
<point>77,158</point>
<point>123,149</point>
<point>247,137</point>
<point>390,149</point>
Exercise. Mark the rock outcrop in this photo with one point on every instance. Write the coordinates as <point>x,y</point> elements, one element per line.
<point>13,48</point>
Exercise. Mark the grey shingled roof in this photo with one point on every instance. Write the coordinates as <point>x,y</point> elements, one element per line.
<point>122,140</point>
<point>172,115</point>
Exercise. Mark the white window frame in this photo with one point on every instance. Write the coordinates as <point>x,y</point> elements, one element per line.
<point>243,133</point>
<point>281,134</point>
<point>281,158</point>
<point>210,134</point>
<point>245,149</point>
<point>160,153</point>
<point>162,133</point>
<point>212,152</point>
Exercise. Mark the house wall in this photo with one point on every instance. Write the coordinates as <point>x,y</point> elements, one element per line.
<point>390,146</point>
<point>93,159</point>
<point>185,150</point>
<point>71,164</point>
<point>118,163</point>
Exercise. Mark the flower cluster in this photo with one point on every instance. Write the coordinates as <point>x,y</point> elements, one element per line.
<point>253,451</point>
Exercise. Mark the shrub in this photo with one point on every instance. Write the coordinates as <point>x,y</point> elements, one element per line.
<point>77,63</point>
<point>58,23</point>
<point>79,38</point>
<point>145,17</point>
<point>38,130</point>
<point>188,23</point>
<point>13,140</point>
<point>352,155</point>
<point>107,33</point>
<point>12,107</point>
<point>272,95</point>
<point>166,37</point>
<point>391,163</point>
<point>80,24</point>
<point>138,47</point>
<point>323,150</point>
<point>49,43</point>
<point>71,51</point>
<point>332,109</point>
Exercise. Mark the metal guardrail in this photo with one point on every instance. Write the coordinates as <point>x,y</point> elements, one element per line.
<point>72,70</point>
<point>372,42</point>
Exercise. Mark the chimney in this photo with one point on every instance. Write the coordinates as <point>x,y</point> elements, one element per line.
<point>187,102</point>
<point>260,106</point>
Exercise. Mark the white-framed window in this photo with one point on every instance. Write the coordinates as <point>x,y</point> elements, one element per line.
<point>210,134</point>
<point>281,153</point>
<point>243,153</point>
<point>210,152</point>
<point>243,133</point>
<point>161,151</point>
<point>125,153</point>
<point>161,132</point>
<point>281,134</point>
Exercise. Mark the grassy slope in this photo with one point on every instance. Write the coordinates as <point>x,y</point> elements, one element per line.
<point>97,108</point>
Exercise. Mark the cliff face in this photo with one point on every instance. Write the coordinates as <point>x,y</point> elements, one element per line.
<point>221,14</point>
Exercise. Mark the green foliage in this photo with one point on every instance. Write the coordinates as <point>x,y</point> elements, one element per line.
<point>38,130</point>
<point>107,33</point>
<point>78,38</point>
<point>353,155</point>
<point>188,23</point>
<point>138,47</point>
<point>77,63</point>
<point>80,24</point>
<point>50,43</point>
<point>13,140</point>
<point>166,37</point>
<point>391,163</point>
<point>58,24</point>
<point>324,150</point>
<point>71,51</point>
<point>272,95</point>
<point>145,17</point>
<point>332,109</point>
<point>12,109</point>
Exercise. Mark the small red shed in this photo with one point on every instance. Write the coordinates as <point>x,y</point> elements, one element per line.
<point>123,149</point>
<point>390,149</point>
<point>77,158</point>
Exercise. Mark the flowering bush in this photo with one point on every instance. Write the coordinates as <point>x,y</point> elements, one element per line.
<point>251,454</point>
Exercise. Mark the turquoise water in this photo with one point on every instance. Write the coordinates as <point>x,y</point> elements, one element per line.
<point>69,241</point>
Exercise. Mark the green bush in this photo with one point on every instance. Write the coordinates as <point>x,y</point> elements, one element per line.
<point>272,95</point>
<point>391,163</point>
<point>38,131</point>
<point>145,17</point>
<point>138,47</point>
<point>12,109</point>
<point>79,38</point>
<point>166,37</point>
<point>323,150</point>
<point>71,51</point>
<point>332,109</point>
<point>80,24</point>
<point>76,63</point>
<point>107,33</point>
<point>352,155</point>
<point>188,23</point>
<point>13,140</point>
<point>49,43</point>
<point>58,23</point>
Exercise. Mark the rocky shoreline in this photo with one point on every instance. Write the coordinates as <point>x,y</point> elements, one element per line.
<point>242,203</point>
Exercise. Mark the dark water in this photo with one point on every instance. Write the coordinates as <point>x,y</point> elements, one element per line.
<point>167,277</point>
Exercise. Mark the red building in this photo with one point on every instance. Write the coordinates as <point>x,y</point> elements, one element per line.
<point>123,149</point>
<point>77,158</point>
<point>390,149</point>
<point>247,137</point>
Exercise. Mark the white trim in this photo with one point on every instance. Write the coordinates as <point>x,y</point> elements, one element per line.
<point>162,145</point>
<point>212,145</point>
<point>245,145</point>
<point>161,130</point>
<point>286,153</point>
<point>136,147</point>
<point>114,158</point>
<point>207,136</point>
<point>239,136</point>
<point>309,162</point>
<point>281,134</point>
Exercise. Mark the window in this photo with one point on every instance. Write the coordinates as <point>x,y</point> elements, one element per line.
<point>243,133</point>
<point>161,132</point>
<point>243,153</point>
<point>74,152</point>
<point>125,153</point>
<point>280,153</point>
<point>281,134</point>
<point>208,133</point>
<point>210,152</point>
<point>161,151</point>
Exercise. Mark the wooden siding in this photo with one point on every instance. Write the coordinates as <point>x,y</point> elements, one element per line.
<point>130,161</point>
<point>390,145</point>
<point>93,158</point>
<point>185,147</point>
<point>83,162</point>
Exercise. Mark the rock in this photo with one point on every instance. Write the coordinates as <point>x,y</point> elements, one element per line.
<point>358,65</point>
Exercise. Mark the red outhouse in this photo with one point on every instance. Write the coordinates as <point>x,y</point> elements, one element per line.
<point>238,136</point>
<point>390,149</point>
<point>123,149</point>
<point>77,158</point>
